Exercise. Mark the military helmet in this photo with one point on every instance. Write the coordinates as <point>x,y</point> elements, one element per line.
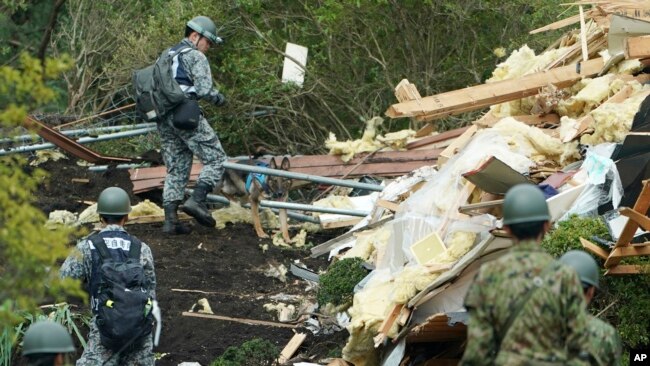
<point>584,264</point>
<point>205,27</point>
<point>524,203</point>
<point>113,201</point>
<point>47,337</point>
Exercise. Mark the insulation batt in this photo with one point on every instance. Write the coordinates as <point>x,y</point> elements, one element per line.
<point>371,305</point>
<point>144,208</point>
<point>368,244</point>
<point>612,121</point>
<point>593,92</point>
<point>235,213</point>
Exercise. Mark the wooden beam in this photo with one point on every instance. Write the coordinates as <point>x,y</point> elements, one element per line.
<point>629,251</point>
<point>625,269</point>
<point>641,205</point>
<point>639,218</point>
<point>480,96</point>
<point>291,347</point>
<point>340,223</point>
<point>637,47</point>
<point>393,206</point>
<point>600,252</point>
<point>388,322</point>
<point>238,320</point>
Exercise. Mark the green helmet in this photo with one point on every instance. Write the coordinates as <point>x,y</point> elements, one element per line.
<point>584,264</point>
<point>524,203</point>
<point>47,337</point>
<point>113,201</point>
<point>205,27</point>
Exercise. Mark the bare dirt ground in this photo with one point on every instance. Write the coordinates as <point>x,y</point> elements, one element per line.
<point>228,265</point>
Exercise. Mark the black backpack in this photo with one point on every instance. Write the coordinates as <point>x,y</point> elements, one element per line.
<point>121,304</point>
<point>157,93</point>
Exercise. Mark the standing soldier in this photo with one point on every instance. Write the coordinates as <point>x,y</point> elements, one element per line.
<point>525,308</point>
<point>192,72</point>
<point>604,345</point>
<point>46,343</point>
<point>119,273</point>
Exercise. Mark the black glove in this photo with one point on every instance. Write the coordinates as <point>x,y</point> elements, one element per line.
<point>219,100</point>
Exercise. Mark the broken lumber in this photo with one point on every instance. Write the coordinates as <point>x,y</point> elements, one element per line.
<point>447,135</point>
<point>479,96</point>
<point>458,144</point>
<point>291,347</point>
<point>238,320</point>
<point>637,47</point>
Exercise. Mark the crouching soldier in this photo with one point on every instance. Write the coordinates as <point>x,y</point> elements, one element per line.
<point>525,308</point>
<point>603,343</point>
<point>47,343</point>
<point>119,273</point>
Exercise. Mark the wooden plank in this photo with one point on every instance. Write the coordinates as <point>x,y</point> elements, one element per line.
<point>393,206</point>
<point>340,223</point>
<point>80,180</point>
<point>641,219</point>
<point>629,251</point>
<point>238,320</point>
<point>291,347</point>
<point>377,157</point>
<point>583,34</point>
<point>641,205</point>
<point>437,329</point>
<point>426,130</point>
<point>626,269</point>
<point>458,144</point>
<point>637,47</point>
<point>484,95</point>
<point>385,326</point>
<point>437,138</point>
<point>600,252</point>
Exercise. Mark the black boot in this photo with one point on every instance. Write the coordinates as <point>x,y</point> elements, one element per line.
<point>195,205</point>
<point>171,224</point>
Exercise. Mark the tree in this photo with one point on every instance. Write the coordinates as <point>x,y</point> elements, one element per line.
<point>30,253</point>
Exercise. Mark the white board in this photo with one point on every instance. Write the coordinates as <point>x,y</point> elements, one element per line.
<point>293,72</point>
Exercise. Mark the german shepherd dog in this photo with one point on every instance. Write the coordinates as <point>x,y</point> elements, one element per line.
<point>254,187</point>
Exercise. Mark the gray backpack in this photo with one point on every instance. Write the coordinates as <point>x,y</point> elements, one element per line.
<point>157,93</point>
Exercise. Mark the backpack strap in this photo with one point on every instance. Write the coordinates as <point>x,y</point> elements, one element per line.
<point>522,301</point>
<point>134,251</point>
<point>100,245</point>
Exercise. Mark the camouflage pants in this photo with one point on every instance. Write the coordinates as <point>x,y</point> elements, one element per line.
<point>178,149</point>
<point>95,354</point>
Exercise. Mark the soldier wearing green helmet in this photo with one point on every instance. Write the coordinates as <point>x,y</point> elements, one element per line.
<point>181,140</point>
<point>604,346</point>
<point>525,308</point>
<point>84,263</point>
<point>47,343</point>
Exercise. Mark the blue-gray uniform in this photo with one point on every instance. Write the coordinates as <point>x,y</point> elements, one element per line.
<point>192,72</point>
<point>79,265</point>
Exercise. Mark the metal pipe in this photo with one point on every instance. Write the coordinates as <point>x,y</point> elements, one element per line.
<point>81,131</point>
<point>303,207</point>
<point>293,215</point>
<point>302,176</point>
<point>103,168</point>
<point>83,140</point>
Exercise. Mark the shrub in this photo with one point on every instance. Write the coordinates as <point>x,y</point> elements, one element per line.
<point>256,352</point>
<point>624,299</point>
<point>337,285</point>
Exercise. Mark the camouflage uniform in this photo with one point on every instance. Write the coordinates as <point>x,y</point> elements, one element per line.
<point>603,342</point>
<point>550,327</point>
<point>179,146</point>
<point>79,266</point>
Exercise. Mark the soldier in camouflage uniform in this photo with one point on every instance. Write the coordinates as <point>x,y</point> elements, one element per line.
<point>604,344</point>
<point>192,72</point>
<point>113,206</point>
<point>525,308</point>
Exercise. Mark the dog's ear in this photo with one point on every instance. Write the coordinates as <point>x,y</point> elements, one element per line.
<point>286,164</point>
<point>273,164</point>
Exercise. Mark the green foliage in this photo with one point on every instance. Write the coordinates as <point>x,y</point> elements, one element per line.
<point>628,295</point>
<point>337,284</point>
<point>30,252</point>
<point>255,352</point>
